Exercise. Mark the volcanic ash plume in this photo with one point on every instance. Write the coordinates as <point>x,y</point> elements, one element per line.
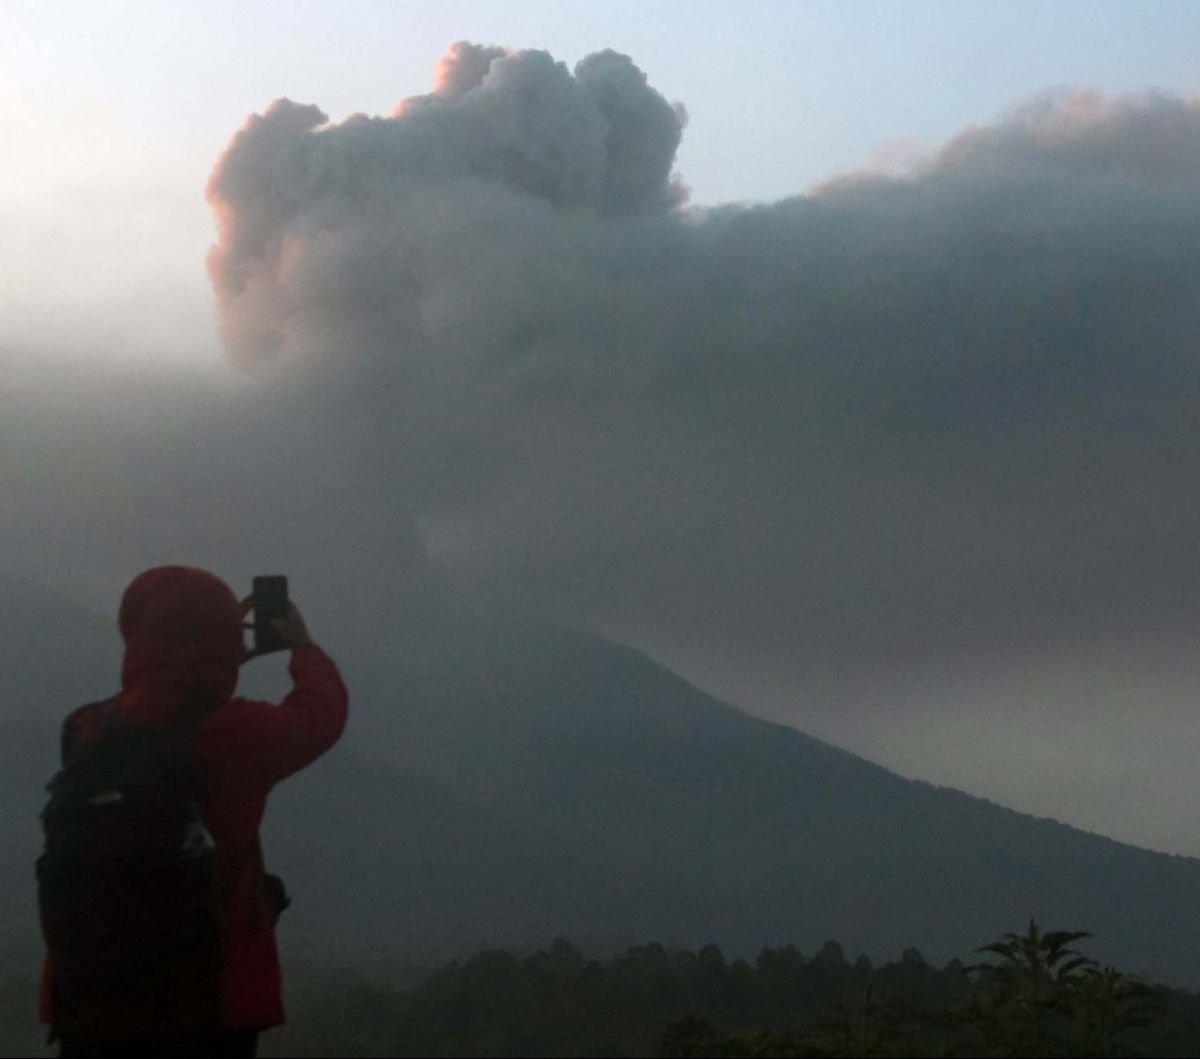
<point>891,413</point>
<point>385,230</point>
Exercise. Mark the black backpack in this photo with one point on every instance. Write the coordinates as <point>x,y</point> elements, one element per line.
<point>127,884</point>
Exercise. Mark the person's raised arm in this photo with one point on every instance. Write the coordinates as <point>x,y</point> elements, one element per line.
<point>277,741</point>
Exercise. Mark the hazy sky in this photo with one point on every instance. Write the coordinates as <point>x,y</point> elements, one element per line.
<point>903,455</point>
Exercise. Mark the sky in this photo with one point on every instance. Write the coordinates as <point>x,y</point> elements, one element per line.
<point>841,356</point>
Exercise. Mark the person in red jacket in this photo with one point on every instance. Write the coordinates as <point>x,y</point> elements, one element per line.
<point>183,633</point>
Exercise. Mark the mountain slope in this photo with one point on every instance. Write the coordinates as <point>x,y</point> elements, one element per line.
<point>730,829</point>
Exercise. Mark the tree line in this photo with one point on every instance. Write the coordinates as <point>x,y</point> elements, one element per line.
<point>1029,994</point>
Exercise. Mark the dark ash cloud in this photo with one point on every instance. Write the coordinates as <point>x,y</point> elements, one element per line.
<point>929,424</point>
<point>893,413</point>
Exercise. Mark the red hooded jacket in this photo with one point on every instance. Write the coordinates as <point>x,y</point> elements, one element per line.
<point>183,633</point>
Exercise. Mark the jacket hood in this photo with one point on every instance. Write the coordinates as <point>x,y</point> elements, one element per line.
<point>183,636</point>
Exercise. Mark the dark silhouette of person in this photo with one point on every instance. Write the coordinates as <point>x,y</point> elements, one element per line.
<point>183,633</point>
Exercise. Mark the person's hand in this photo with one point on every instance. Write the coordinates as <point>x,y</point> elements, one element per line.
<point>290,629</point>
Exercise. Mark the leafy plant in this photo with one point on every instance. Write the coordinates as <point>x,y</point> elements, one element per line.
<point>1040,998</point>
<point>1024,1005</point>
<point>1110,1004</point>
<point>1045,999</point>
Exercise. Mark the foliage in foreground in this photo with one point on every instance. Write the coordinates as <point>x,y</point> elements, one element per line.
<point>1034,995</point>
<point>1040,999</point>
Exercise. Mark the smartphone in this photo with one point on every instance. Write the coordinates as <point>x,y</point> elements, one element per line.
<point>270,597</point>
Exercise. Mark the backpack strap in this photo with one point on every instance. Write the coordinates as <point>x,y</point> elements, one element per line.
<point>100,736</point>
<point>105,720</point>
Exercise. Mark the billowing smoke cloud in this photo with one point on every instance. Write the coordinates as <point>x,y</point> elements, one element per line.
<point>844,425</point>
<point>827,454</point>
<point>373,233</point>
<point>1150,137</point>
<point>834,455</point>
